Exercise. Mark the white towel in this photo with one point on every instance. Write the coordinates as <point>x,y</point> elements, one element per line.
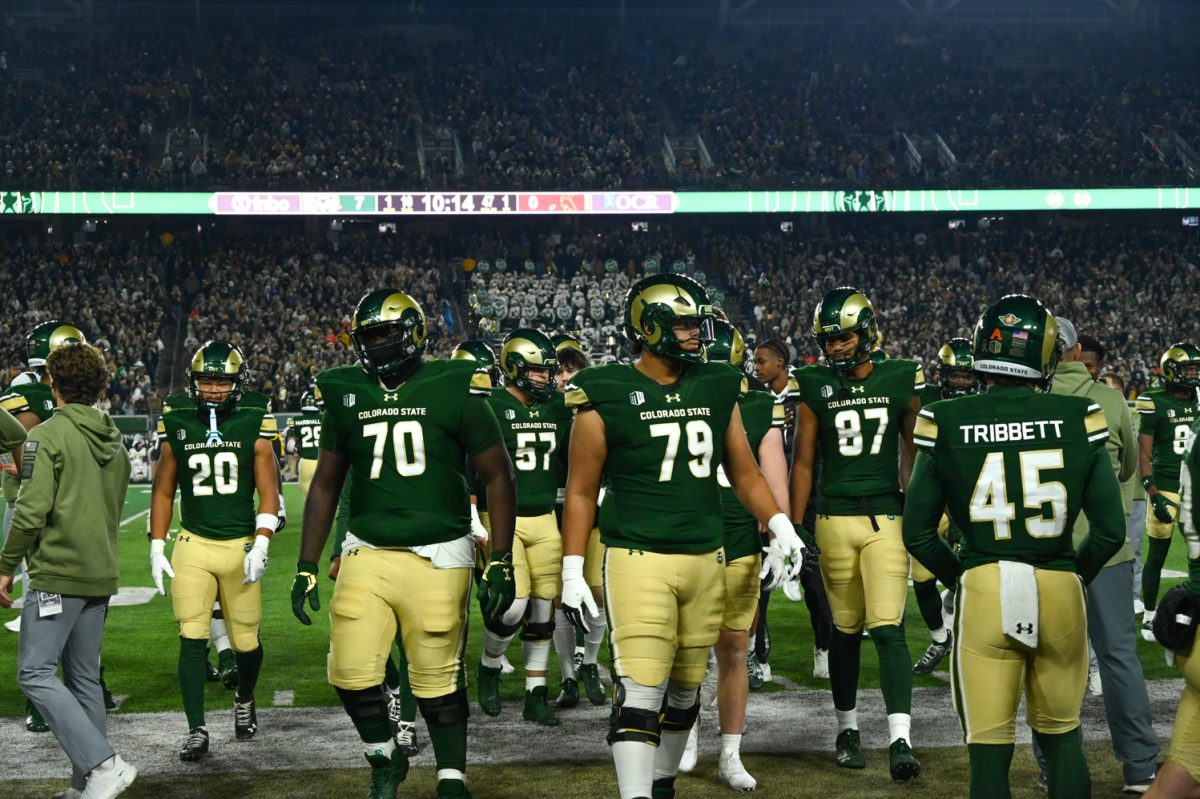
<point>1019,602</point>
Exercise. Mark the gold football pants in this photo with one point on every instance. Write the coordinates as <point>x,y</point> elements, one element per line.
<point>1155,528</point>
<point>865,572</point>
<point>742,587</point>
<point>307,468</point>
<point>207,570</point>
<point>1185,740</point>
<point>537,555</point>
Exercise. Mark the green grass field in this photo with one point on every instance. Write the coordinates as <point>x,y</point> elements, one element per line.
<point>141,642</point>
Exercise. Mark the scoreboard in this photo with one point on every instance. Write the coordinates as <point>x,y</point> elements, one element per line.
<point>437,203</point>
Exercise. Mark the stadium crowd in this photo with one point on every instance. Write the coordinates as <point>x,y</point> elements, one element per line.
<point>278,109</point>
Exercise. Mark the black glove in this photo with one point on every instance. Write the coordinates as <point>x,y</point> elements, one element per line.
<point>1162,508</point>
<point>305,586</point>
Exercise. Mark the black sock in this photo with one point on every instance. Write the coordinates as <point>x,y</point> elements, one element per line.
<point>929,602</point>
<point>249,664</point>
<point>1156,556</point>
<point>844,652</point>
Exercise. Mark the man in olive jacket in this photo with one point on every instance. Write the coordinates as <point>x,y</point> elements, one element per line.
<point>1110,596</point>
<point>74,475</point>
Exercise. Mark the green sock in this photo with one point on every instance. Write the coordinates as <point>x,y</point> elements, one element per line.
<point>367,709</point>
<point>843,668</point>
<point>408,702</point>
<point>193,654</point>
<point>929,602</point>
<point>1066,767</point>
<point>1152,571</point>
<point>895,671</point>
<point>446,720</point>
<point>391,674</point>
<point>249,664</point>
<point>989,770</point>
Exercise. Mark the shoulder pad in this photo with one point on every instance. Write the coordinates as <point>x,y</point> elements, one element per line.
<point>14,402</point>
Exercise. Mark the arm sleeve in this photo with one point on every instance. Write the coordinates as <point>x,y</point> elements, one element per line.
<point>480,428</point>
<point>40,468</point>
<point>922,514</point>
<point>1105,515</point>
<point>12,432</point>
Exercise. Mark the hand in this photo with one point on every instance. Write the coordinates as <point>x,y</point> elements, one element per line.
<point>6,585</point>
<point>498,587</point>
<point>159,565</point>
<point>1162,507</point>
<point>282,523</point>
<point>335,566</point>
<point>786,540</point>
<point>478,531</point>
<point>774,569</point>
<point>576,594</point>
<point>255,562</point>
<point>305,586</point>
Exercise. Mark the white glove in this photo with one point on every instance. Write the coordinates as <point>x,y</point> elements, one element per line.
<point>774,567</point>
<point>159,565</point>
<point>576,593</point>
<point>784,544</point>
<point>255,562</point>
<point>478,531</point>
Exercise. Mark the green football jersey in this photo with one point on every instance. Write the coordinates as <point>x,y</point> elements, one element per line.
<point>1013,468</point>
<point>215,471</point>
<point>664,446</point>
<point>35,398</point>
<point>760,412</point>
<point>930,394</point>
<point>1167,421</point>
<point>407,449</point>
<point>534,436</point>
<point>306,429</point>
<point>858,434</point>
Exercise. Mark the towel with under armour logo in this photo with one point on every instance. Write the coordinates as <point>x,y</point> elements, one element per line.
<point>1019,602</point>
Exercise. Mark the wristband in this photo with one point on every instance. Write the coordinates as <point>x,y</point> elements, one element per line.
<point>306,567</point>
<point>1147,482</point>
<point>266,521</point>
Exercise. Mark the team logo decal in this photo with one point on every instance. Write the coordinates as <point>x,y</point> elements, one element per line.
<point>1011,320</point>
<point>1170,413</point>
<point>180,435</point>
<point>349,400</point>
<point>826,391</point>
<point>637,398</point>
<point>510,414</point>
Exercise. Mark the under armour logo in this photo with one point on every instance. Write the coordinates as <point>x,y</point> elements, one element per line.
<point>674,398</point>
<point>349,400</point>
<point>534,414</point>
<point>637,398</point>
<point>858,389</point>
<point>1024,629</point>
<point>388,397</point>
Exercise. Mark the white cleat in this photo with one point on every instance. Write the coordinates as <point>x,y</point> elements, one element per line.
<point>734,773</point>
<point>1095,687</point>
<point>13,626</point>
<point>766,671</point>
<point>110,782</point>
<point>691,752</point>
<point>1148,626</point>
<point>820,664</point>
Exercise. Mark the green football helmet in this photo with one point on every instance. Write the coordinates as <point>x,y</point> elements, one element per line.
<point>955,374</point>
<point>1017,337</point>
<point>846,310</point>
<point>388,332</point>
<point>217,359</point>
<point>482,354</point>
<point>525,349</point>
<point>728,345</point>
<point>308,402</point>
<point>565,340</point>
<point>1180,366</point>
<point>46,338</point>
<point>655,304</point>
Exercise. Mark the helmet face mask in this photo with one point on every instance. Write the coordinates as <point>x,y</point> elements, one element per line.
<point>388,332</point>
<point>1180,366</point>
<point>530,363</point>
<point>217,375</point>
<point>308,402</point>
<point>659,308</point>
<point>955,373</point>
<point>845,328</point>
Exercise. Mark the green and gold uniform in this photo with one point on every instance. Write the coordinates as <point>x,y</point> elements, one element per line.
<point>663,529</point>
<point>306,429</point>
<point>217,516</point>
<point>35,398</point>
<point>1167,421</point>
<point>863,562</point>
<point>534,435</point>
<point>1014,468</point>
<point>743,545</point>
<point>1185,738</point>
<point>408,554</point>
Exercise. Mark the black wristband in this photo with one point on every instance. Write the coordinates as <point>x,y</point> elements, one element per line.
<point>1147,482</point>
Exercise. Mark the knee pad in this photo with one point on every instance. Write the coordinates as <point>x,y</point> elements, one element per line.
<point>538,631</point>
<point>446,711</point>
<point>363,705</point>
<point>680,719</point>
<point>217,612</point>
<point>500,629</point>
<point>643,725</point>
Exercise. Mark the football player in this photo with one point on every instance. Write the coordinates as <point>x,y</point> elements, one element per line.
<point>656,430</point>
<point>306,430</point>
<point>31,401</point>
<point>958,379</point>
<point>403,427</point>
<point>1165,415</point>
<point>771,366</point>
<point>536,426</point>
<point>859,413</point>
<point>581,665</point>
<point>217,449</point>
<point>483,356</point>
<point>1179,776</point>
<point>1014,466</point>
